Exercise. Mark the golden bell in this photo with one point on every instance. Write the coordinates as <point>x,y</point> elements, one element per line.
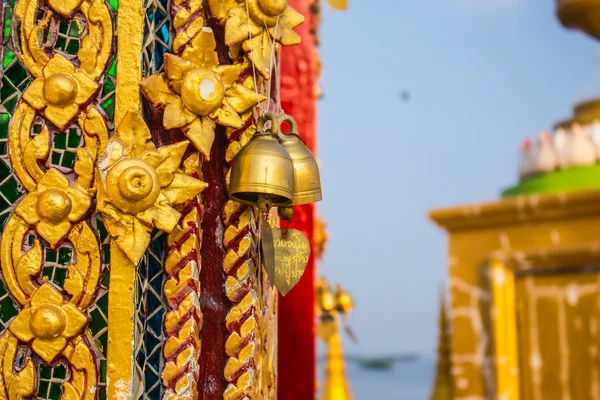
<point>307,181</point>
<point>344,301</point>
<point>263,171</point>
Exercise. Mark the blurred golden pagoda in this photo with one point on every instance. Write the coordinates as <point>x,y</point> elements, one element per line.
<point>442,389</point>
<point>524,270</point>
<point>331,307</point>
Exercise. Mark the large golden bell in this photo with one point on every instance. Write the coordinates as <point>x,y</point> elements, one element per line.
<point>307,181</point>
<point>263,169</point>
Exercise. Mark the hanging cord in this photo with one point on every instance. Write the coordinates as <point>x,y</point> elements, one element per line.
<point>253,67</point>
<point>272,43</point>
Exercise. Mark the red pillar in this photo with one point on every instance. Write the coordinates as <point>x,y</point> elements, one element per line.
<point>296,340</point>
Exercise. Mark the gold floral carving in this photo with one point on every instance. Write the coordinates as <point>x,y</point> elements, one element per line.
<point>139,185</point>
<point>196,92</point>
<point>256,24</point>
<point>48,323</point>
<point>53,207</point>
<point>60,91</point>
<point>52,321</point>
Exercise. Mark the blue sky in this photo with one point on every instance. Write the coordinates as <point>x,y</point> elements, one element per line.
<point>482,75</point>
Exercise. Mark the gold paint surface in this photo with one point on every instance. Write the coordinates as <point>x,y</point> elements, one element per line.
<point>330,308</point>
<point>196,92</point>
<point>51,321</point>
<point>130,20</point>
<point>121,309</point>
<point>545,328</point>
<point>139,186</point>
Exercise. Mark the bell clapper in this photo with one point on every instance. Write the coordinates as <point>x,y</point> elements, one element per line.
<point>286,213</point>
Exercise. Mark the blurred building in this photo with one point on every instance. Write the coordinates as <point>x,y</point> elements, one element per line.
<point>524,271</point>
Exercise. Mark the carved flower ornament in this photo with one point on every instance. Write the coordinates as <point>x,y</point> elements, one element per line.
<point>60,91</point>
<point>196,92</point>
<point>265,15</point>
<point>256,24</point>
<point>139,185</point>
<point>53,207</point>
<point>49,322</point>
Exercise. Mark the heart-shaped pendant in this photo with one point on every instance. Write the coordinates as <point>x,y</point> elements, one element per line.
<point>292,251</point>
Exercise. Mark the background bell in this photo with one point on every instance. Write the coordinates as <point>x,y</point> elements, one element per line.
<point>307,181</point>
<point>263,168</point>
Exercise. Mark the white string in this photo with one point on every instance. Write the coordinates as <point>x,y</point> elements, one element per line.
<point>272,43</point>
<point>254,67</point>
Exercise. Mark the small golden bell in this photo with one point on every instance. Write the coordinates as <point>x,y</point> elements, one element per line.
<point>344,301</point>
<point>307,181</point>
<point>263,169</point>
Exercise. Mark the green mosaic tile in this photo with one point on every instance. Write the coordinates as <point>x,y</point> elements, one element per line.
<point>103,340</point>
<point>16,73</point>
<point>3,219</point>
<point>102,232</point>
<point>45,371</point>
<point>7,309</point>
<point>9,56</point>
<point>74,139</point>
<point>109,107</point>
<point>37,129</point>
<point>3,148</point>
<point>61,44</point>
<point>60,274</point>
<point>72,47</point>
<point>4,125</point>
<point>43,389</point>
<point>60,141</point>
<point>56,156</point>
<point>106,278</point>
<point>76,29</point>
<point>102,304</point>
<point>11,189</point>
<point>51,255</point>
<point>106,254</point>
<point>68,160</point>
<point>97,322</point>
<point>112,70</point>
<point>11,104</point>
<point>59,372</point>
<point>55,391</point>
<point>7,88</point>
<point>5,171</point>
<point>4,205</point>
<point>103,371</point>
<point>64,255</point>
<point>63,27</point>
<point>109,86</point>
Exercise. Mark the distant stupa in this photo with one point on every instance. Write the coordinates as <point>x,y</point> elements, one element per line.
<point>442,389</point>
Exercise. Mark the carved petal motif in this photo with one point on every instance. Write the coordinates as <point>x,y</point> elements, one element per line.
<point>140,185</point>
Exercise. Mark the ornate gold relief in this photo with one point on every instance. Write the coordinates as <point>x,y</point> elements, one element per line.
<point>139,185</point>
<point>53,207</point>
<point>60,91</point>
<point>196,92</point>
<point>52,319</point>
<point>48,323</point>
<point>257,24</point>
